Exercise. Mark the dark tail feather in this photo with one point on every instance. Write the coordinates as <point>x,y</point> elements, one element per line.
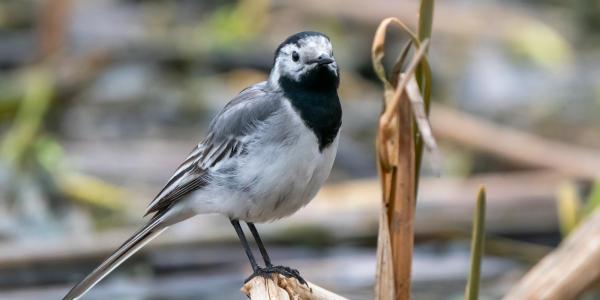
<point>131,246</point>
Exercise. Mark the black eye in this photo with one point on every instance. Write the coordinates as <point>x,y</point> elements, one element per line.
<point>295,56</point>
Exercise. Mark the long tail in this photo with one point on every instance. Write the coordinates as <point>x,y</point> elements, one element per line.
<point>131,246</point>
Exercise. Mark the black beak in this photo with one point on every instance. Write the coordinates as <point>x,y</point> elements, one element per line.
<point>321,60</point>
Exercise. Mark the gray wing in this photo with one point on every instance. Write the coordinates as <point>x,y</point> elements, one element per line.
<point>238,118</point>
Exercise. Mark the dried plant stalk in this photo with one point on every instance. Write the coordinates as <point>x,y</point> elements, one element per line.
<point>396,153</point>
<point>401,210</point>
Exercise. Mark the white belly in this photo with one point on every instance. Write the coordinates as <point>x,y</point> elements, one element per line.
<point>289,182</point>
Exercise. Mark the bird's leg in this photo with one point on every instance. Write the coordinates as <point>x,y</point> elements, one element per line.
<point>270,268</point>
<point>242,237</point>
<point>260,244</point>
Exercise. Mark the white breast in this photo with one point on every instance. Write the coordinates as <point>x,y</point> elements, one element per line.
<point>291,173</point>
<point>289,183</point>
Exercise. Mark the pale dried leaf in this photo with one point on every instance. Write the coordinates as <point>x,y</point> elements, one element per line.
<point>418,107</point>
<point>384,289</point>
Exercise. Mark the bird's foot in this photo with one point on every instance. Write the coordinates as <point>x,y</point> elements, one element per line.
<point>283,270</point>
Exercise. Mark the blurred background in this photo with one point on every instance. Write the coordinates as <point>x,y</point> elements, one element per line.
<point>101,100</point>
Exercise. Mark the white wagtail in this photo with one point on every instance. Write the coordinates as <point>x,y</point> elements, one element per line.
<point>266,155</point>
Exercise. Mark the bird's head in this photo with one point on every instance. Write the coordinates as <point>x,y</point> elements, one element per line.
<point>305,59</point>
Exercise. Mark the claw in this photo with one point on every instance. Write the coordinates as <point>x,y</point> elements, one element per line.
<point>283,270</point>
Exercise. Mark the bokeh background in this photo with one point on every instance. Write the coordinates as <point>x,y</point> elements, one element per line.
<point>101,100</point>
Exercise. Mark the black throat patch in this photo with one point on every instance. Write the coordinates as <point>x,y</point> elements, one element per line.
<point>315,98</point>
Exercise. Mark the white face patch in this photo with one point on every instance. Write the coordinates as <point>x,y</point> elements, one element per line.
<point>308,48</point>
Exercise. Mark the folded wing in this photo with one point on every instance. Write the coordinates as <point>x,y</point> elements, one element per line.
<point>239,118</point>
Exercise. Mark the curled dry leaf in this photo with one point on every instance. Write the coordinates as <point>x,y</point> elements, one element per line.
<point>378,51</point>
<point>392,105</point>
<point>393,90</point>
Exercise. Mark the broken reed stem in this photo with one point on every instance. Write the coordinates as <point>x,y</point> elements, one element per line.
<point>477,242</point>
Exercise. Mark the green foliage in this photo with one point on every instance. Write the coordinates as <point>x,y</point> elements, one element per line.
<point>423,74</point>
<point>426,19</point>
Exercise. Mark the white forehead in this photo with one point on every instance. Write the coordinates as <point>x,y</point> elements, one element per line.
<point>318,43</point>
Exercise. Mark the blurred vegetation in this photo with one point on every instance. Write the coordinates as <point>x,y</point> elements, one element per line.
<point>235,25</point>
<point>572,208</point>
<point>25,128</point>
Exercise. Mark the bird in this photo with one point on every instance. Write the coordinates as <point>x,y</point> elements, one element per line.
<point>266,155</point>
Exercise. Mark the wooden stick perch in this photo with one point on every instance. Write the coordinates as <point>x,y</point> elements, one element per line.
<point>280,287</point>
